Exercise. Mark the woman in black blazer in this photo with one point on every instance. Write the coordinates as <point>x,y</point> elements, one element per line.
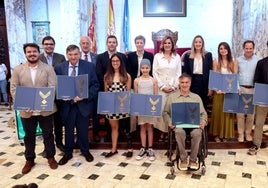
<point>198,63</point>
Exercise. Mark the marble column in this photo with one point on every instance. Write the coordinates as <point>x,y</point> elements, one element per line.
<point>250,22</point>
<point>16,30</point>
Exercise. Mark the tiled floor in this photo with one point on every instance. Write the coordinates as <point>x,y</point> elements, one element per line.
<point>224,168</point>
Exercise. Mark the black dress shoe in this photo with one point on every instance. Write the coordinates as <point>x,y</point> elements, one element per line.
<point>110,154</point>
<point>88,157</point>
<point>61,147</point>
<point>65,159</point>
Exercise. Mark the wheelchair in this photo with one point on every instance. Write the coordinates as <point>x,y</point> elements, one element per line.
<point>202,151</point>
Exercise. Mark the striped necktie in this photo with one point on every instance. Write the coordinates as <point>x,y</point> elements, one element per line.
<point>73,73</point>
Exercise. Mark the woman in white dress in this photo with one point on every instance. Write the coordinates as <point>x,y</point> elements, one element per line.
<point>166,70</point>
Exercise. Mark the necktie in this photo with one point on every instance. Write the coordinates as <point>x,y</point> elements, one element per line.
<point>73,73</point>
<point>86,59</point>
<point>49,60</point>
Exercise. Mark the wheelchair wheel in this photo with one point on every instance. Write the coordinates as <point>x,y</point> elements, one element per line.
<point>172,170</point>
<point>203,170</point>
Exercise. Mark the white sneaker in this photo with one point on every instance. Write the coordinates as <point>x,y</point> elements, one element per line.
<point>248,137</point>
<point>193,165</point>
<point>151,154</point>
<point>142,154</point>
<point>253,150</point>
<point>240,138</point>
<point>183,165</point>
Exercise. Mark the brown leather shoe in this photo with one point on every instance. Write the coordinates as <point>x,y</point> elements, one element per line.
<point>52,163</point>
<point>27,167</point>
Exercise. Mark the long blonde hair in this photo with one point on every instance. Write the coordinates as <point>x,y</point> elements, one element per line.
<point>193,50</point>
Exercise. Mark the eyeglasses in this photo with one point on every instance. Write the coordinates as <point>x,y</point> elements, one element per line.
<point>48,44</point>
<point>115,61</point>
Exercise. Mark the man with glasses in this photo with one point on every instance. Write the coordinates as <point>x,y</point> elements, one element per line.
<point>52,58</point>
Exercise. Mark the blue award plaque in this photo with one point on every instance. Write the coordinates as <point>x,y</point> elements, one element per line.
<point>227,83</point>
<point>34,98</point>
<point>185,115</point>
<point>113,102</point>
<point>260,96</point>
<point>68,87</point>
<point>145,105</point>
<point>235,103</point>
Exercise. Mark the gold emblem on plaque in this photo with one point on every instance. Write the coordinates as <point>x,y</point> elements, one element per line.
<point>246,102</point>
<point>80,84</point>
<point>121,100</point>
<point>192,109</point>
<point>230,81</point>
<point>44,96</point>
<point>153,103</point>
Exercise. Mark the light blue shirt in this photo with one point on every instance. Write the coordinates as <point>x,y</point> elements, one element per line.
<point>49,58</point>
<point>246,70</point>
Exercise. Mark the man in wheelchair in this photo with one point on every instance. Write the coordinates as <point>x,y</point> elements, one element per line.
<point>181,96</point>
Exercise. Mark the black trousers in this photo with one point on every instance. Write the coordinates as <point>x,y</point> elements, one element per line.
<point>58,126</point>
<point>29,126</point>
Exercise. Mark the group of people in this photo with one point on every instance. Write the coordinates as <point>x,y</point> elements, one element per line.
<point>139,72</point>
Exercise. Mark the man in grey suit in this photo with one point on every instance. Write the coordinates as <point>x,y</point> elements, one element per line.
<point>87,55</point>
<point>35,73</point>
<point>52,58</point>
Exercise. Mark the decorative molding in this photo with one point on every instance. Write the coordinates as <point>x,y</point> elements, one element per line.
<point>40,30</point>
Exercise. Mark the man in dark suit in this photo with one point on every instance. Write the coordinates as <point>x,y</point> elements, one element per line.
<point>52,58</point>
<point>75,112</point>
<point>134,58</point>
<point>91,57</point>
<point>103,59</point>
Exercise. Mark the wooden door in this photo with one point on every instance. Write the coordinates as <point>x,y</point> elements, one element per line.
<point>4,55</point>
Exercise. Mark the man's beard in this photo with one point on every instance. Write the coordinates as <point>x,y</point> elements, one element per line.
<point>32,61</point>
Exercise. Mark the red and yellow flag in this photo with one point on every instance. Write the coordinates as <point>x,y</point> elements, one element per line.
<point>91,32</point>
<point>111,22</point>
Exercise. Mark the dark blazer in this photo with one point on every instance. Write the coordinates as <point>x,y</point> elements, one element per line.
<point>86,105</point>
<point>57,58</point>
<point>93,57</point>
<point>207,66</point>
<point>132,64</point>
<point>101,66</point>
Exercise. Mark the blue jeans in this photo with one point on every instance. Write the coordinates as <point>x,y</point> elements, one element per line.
<point>3,88</point>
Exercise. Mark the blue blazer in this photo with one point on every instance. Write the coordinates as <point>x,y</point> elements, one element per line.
<point>86,106</point>
<point>93,57</point>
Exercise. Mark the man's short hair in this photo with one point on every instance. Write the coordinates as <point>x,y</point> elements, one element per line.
<point>248,41</point>
<point>185,75</point>
<point>34,45</point>
<point>48,38</point>
<point>111,37</point>
<point>71,47</point>
<point>139,37</point>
